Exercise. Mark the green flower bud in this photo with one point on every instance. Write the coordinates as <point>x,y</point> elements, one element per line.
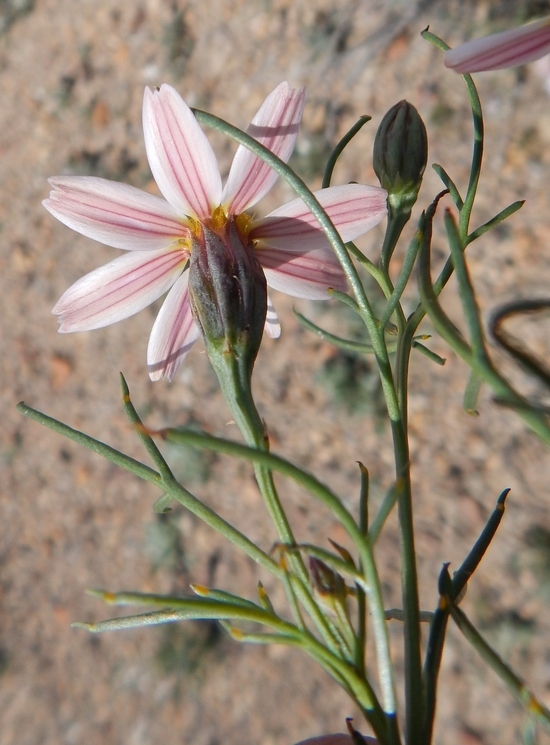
<point>400,154</point>
<point>228,294</point>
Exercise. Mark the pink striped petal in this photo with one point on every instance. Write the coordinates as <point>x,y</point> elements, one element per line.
<point>174,332</point>
<point>510,48</point>
<point>306,275</point>
<point>115,214</point>
<point>353,208</point>
<point>118,289</point>
<point>272,326</point>
<point>181,158</point>
<point>276,126</point>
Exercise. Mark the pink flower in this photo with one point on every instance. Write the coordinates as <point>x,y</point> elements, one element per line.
<point>160,234</point>
<point>507,49</point>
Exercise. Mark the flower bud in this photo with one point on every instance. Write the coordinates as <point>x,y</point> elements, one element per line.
<point>228,295</point>
<point>400,154</point>
<point>328,585</point>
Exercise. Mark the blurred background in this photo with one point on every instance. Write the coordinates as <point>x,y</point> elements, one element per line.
<point>72,76</point>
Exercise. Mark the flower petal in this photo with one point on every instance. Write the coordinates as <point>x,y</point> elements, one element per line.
<point>118,289</point>
<point>276,126</point>
<point>303,274</point>
<point>510,48</point>
<point>272,326</point>
<point>173,334</point>
<point>115,214</point>
<point>181,158</point>
<point>353,208</point>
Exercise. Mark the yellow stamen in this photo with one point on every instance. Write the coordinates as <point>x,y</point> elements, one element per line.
<point>218,219</point>
<point>243,223</point>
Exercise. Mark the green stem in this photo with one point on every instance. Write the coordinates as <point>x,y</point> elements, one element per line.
<point>402,281</point>
<point>398,217</point>
<point>339,149</point>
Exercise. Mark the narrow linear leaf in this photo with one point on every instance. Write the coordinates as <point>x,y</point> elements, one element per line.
<point>352,346</point>
<point>513,682</point>
<point>466,291</point>
<point>472,561</point>
<point>246,637</point>
<point>224,597</point>
<point>339,149</point>
<point>143,434</point>
<point>438,627</point>
<point>496,220</point>
<point>450,185</point>
<point>106,451</point>
<point>388,503</point>
<point>428,353</point>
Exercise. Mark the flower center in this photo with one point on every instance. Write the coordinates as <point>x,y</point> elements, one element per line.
<point>226,227</point>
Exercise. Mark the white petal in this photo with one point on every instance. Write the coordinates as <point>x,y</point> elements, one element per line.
<point>276,126</point>
<point>272,326</point>
<point>115,214</point>
<point>303,274</point>
<point>353,208</point>
<point>510,48</point>
<point>118,289</point>
<point>181,158</point>
<point>174,332</point>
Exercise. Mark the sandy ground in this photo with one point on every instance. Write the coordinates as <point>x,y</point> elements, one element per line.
<point>72,75</point>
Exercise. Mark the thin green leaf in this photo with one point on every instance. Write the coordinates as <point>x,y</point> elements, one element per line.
<point>477,154</point>
<point>223,597</point>
<point>106,451</point>
<point>239,635</point>
<point>449,185</point>
<point>198,609</point>
<point>471,562</point>
<point>143,434</point>
<point>513,682</point>
<point>388,503</point>
<point>339,149</point>
<point>428,293</point>
<point>466,290</point>
<point>438,628</point>
<point>514,207</point>
<point>352,346</point>
<point>263,597</point>
<point>428,353</point>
